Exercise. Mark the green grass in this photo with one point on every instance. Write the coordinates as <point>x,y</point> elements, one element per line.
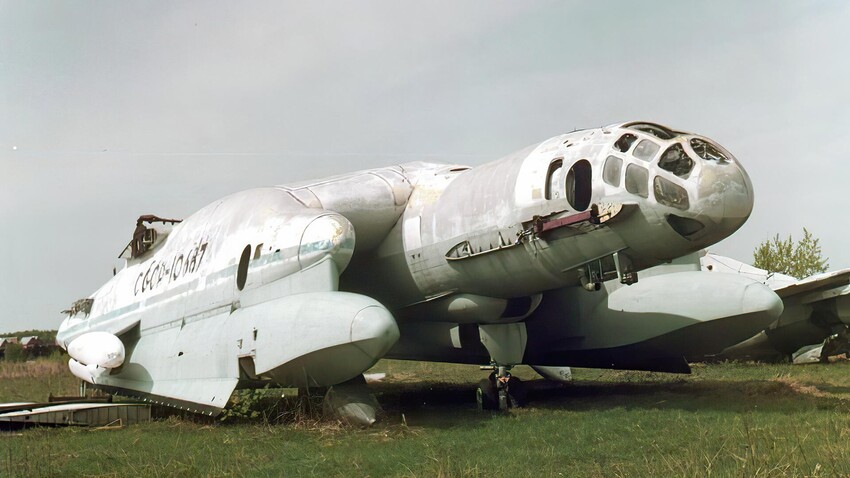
<point>33,380</point>
<point>723,420</point>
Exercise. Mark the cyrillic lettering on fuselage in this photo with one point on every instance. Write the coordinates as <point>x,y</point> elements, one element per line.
<point>170,269</point>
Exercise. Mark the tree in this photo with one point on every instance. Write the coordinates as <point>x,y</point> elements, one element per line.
<point>800,259</point>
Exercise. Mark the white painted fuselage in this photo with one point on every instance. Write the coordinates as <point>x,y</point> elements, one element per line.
<point>269,285</point>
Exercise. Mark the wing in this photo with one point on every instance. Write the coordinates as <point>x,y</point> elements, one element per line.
<point>817,287</point>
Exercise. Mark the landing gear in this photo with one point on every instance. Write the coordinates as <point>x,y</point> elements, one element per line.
<point>506,344</point>
<point>516,392</point>
<point>500,391</point>
<point>487,395</point>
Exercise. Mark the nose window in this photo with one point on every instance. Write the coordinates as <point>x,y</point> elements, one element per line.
<point>676,161</point>
<point>646,150</point>
<point>625,142</point>
<point>637,179</point>
<point>707,151</point>
<point>611,172</point>
<point>685,226</point>
<point>669,193</point>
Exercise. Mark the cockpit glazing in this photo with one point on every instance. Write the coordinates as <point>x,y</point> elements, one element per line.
<point>676,160</point>
<point>707,151</point>
<point>664,161</point>
<point>656,130</point>
<point>646,150</point>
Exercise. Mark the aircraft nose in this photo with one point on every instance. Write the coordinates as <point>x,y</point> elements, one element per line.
<point>725,194</point>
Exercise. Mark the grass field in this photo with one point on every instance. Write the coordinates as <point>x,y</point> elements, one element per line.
<point>723,420</point>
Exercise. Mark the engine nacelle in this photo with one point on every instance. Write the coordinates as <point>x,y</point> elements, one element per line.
<point>316,338</point>
<point>656,324</point>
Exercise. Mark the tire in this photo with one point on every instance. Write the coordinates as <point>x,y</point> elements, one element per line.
<point>486,395</point>
<point>517,393</point>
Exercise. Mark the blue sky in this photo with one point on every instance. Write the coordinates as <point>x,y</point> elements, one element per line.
<point>109,110</point>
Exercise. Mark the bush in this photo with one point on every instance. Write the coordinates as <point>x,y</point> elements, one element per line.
<point>15,353</point>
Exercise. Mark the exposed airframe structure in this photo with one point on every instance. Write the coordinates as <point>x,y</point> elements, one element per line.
<point>309,284</point>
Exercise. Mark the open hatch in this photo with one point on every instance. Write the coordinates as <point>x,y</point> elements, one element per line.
<point>146,237</point>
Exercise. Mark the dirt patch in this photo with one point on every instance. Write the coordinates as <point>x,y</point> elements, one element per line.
<point>796,387</point>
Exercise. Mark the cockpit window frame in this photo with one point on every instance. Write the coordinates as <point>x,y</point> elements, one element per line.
<point>643,156</point>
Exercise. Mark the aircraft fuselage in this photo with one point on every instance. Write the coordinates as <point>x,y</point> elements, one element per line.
<point>307,284</point>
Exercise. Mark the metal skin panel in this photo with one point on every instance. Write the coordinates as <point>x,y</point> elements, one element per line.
<point>267,284</point>
<point>77,414</point>
<point>371,200</point>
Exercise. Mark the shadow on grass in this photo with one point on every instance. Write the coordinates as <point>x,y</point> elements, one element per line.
<point>765,395</point>
<point>433,404</point>
<point>444,405</point>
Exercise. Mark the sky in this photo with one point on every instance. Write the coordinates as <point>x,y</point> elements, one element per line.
<point>110,110</point>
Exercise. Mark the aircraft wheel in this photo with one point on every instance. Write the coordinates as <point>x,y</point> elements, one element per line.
<point>516,392</point>
<point>486,395</point>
